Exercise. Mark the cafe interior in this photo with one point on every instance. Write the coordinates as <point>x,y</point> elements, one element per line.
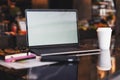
<point>91,15</point>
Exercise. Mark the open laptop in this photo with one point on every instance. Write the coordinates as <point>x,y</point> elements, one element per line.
<point>53,32</point>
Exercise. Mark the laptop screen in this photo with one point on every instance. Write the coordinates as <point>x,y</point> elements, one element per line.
<point>51,27</point>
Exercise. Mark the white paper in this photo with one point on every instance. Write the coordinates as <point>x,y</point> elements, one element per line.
<point>24,64</point>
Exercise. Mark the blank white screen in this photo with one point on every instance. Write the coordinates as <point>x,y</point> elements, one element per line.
<point>50,28</point>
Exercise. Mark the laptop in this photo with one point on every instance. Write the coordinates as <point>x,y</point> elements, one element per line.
<point>53,32</point>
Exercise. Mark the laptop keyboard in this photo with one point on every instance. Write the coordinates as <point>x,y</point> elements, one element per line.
<point>63,51</point>
<point>51,50</point>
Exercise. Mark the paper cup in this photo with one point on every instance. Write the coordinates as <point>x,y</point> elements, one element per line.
<point>104,37</point>
<point>104,60</point>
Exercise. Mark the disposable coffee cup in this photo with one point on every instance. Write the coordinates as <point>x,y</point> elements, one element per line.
<point>104,37</point>
<point>104,60</point>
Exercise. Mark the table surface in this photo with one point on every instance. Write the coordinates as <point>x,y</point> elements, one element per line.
<point>87,66</point>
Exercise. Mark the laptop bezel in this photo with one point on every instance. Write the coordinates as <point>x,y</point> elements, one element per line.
<point>55,45</point>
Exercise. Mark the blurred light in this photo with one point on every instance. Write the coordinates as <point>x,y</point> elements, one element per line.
<point>101,74</point>
<point>113,62</point>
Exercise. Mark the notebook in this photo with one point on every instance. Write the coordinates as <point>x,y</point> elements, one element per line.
<point>53,32</point>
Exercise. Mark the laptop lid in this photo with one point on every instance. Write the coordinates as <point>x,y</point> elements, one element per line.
<point>51,28</point>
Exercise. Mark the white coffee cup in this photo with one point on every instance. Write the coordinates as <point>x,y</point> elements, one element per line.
<point>104,37</point>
